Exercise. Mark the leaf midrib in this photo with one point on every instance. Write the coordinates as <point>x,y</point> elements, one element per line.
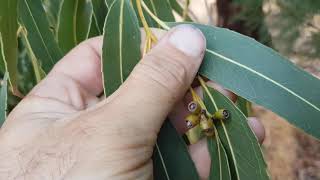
<point>162,161</point>
<point>120,40</point>
<point>264,77</point>
<point>226,132</point>
<point>75,39</point>
<point>37,28</point>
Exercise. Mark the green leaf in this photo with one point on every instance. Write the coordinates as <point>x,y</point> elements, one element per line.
<point>178,9</point>
<point>100,11</point>
<point>2,61</point>
<point>41,38</point>
<point>171,159</point>
<point>52,9</point>
<point>162,9</point>
<point>121,45</point>
<point>8,31</point>
<point>109,3</point>
<point>243,105</point>
<point>74,23</point>
<point>3,98</point>
<point>30,73</point>
<point>262,76</point>
<point>244,152</point>
<point>94,29</point>
<point>219,169</point>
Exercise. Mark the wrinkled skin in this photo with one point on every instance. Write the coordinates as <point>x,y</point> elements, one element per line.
<point>61,130</point>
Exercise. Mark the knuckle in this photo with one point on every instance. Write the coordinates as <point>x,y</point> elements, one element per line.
<point>167,69</point>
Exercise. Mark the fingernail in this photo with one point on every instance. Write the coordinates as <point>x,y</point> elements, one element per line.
<point>188,39</point>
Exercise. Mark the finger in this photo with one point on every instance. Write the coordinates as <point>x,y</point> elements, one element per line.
<point>76,79</point>
<point>161,78</point>
<point>200,154</point>
<point>79,70</point>
<point>257,128</point>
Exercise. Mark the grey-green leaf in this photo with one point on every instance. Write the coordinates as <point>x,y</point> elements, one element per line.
<point>244,152</point>
<point>8,31</point>
<point>171,159</point>
<point>41,38</point>
<point>3,98</point>
<point>121,45</point>
<point>219,169</point>
<point>261,75</point>
<point>74,23</point>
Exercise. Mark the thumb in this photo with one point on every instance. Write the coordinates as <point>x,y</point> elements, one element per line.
<point>160,79</point>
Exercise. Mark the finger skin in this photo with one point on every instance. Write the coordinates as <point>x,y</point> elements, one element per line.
<point>161,78</point>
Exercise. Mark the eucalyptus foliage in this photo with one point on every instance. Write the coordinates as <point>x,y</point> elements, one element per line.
<point>36,34</point>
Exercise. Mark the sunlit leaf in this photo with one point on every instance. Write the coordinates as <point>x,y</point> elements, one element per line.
<point>262,76</point>
<point>33,17</point>
<point>121,47</point>
<point>8,31</point>
<point>240,143</point>
<point>171,159</point>
<point>74,23</point>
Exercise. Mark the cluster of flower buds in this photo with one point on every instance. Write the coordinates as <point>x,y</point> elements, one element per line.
<point>199,116</point>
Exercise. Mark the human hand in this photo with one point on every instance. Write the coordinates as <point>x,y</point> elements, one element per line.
<point>61,130</point>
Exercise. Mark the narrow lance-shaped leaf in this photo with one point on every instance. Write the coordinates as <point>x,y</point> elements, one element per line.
<point>241,145</point>
<point>171,159</point>
<point>121,47</point>
<point>2,62</point>
<point>243,105</point>
<point>41,38</point>
<point>8,30</point>
<point>260,75</point>
<point>52,9</point>
<point>178,9</point>
<point>74,23</point>
<point>162,9</point>
<point>94,30</point>
<point>3,98</point>
<point>100,11</point>
<point>219,169</point>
